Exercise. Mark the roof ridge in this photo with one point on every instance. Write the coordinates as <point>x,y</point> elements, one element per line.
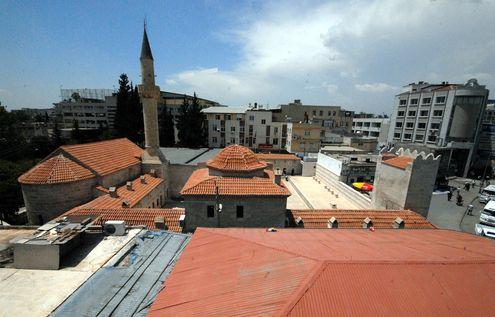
<point>260,244</point>
<point>102,141</point>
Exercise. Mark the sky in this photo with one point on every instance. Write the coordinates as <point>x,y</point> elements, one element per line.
<point>351,53</point>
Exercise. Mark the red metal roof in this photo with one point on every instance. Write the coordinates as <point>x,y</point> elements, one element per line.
<point>201,183</point>
<point>106,157</point>
<point>236,158</point>
<point>352,272</point>
<point>353,219</point>
<point>58,169</point>
<point>400,162</point>
<point>134,216</point>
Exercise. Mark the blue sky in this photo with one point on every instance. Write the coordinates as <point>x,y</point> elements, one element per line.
<point>355,53</point>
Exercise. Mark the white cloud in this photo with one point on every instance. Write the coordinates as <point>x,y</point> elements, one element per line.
<point>359,48</point>
<point>375,87</point>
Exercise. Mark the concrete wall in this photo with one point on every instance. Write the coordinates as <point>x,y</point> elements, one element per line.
<point>332,180</point>
<point>288,165</point>
<point>421,184</point>
<point>309,168</point>
<point>178,176</point>
<point>258,212</point>
<point>390,187</point>
<point>51,200</point>
<point>122,176</point>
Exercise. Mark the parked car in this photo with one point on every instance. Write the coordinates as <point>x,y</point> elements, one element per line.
<point>487,194</point>
<point>486,227</point>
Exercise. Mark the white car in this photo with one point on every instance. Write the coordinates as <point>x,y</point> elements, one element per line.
<point>487,194</point>
<point>485,231</point>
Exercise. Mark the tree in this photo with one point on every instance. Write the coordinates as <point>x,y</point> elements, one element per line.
<point>191,124</point>
<point>129,114</point>
<point>56,136</point>
<point>75,134</point>
<point>166,123</point>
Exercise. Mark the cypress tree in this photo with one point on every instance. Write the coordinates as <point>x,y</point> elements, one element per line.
<point>167,135</point>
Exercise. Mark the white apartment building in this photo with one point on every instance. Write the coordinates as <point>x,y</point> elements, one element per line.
<point>253,128</point>
<point>226,125</point>
<point>372,128</point>
<point>89,113</point>
<point>442,119</point>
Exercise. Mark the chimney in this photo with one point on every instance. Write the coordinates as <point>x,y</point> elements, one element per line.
<point>160,223</point>
<point>332,223</point>
<point>153,172</point>
<point>126,204</point>
<point>399,223</point>
<point>182,221</point>
<point>367,223</point>
<point>143,179</point>
<point>128,185</point>
<point>113,192</point>
<point>299,222</point>
<point>278,176</point>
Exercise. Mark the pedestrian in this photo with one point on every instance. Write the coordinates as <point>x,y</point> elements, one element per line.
<point>470,210</point>
<point>459,200</point>
<point>449,195</point>
<point>467,185</point>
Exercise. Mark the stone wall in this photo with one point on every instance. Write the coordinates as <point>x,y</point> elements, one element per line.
<point>258,212</point>
<point>333,181</point>
<point>120,177</point>
<point>154,199</point>
<point>390,187</point>
<point>178,176</point>
<point>52,200</point>
<point>292,167</point>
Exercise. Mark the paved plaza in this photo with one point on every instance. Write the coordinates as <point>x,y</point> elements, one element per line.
<point>308,193</point>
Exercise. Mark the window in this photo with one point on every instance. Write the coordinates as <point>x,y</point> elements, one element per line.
<point>396,135</point>
<point>214,139</point>
<point>407,136</point>
<point>321,113</point>
<point>217,117</point>
<point>329,113</point>
<point>228,117</point>
<point>409,125</point>
<point>435,126</point>
<point>210,211</point>
<point>275,130</point>
<point>423,113</point>
<point>314,112</point>
<point>263,121</point>
<point>334,113</point>
<point>402,102</point>
<point>232,140</point>
<point>251,118</point>
<point>307,132</point>
<point>413,101</point>
<point>215,127</point>
<point>275,141</point>
<point>440,99</point>
<point>240,211</point>
<point>411,113</point>
<point>267,140</point>
<point>400,113</point>
<point>419,137</point>
<point>426,101</point>
<point>432,138</point>
<point>398,124</point>
<point>437,113</point>
<point>232,129</point>
<point>422,125</point>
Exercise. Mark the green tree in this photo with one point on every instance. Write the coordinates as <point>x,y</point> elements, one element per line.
<point>76,134</point>
<point>191,124</point>
<point>129,114</point>
<point>166,122</point>
<point>56,136</point>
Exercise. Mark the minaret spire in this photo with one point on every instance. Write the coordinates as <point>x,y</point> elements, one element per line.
<point>145,47</point>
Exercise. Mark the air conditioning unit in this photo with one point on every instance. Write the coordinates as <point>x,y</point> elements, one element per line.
<point>114,227</point>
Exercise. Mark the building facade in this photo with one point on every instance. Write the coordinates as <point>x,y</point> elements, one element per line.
<point>350,168</point>
<point>372,128</point>
<point>303,138</point>
<point>444,119</point>
<point>89,113</point>
<point>326,116</point>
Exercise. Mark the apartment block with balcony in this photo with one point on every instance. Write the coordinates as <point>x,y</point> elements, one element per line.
<point>441,119</point>
<point>372,128</point>
<point>303,138</point>
<point>226,126</point>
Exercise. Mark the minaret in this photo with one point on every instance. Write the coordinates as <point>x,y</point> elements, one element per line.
<point>149,93</point>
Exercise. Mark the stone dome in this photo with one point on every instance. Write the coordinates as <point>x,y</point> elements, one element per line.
<point>236,158</point>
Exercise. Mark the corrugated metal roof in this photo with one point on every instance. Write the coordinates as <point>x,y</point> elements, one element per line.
<point>354,272</point>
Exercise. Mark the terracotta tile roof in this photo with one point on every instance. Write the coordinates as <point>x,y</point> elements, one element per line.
<point>106,157</point>
<point>201,183</point>
<point>292,272</point>
<point>58,169</point>
<point>134,216</point>
<point>138,192</point>
<point>236,158</point>
<point>400,162</point>
<point>353,219</point>
<point>275,156</point>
